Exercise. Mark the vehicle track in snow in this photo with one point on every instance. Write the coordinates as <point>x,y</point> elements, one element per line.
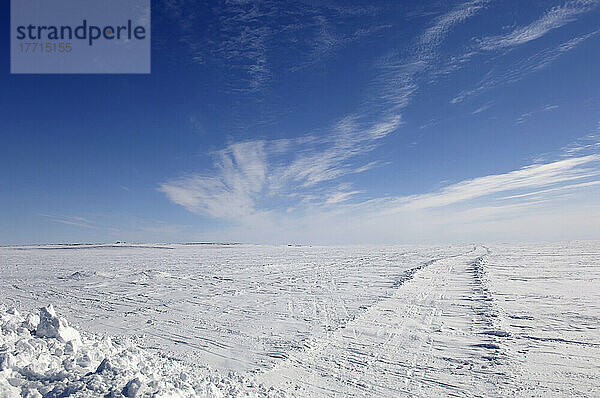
<point>435,336</point>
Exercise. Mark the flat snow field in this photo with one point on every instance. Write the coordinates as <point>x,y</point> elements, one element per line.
<point>247,320</point>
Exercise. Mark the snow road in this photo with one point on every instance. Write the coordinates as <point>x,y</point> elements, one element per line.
<point>468,320</point>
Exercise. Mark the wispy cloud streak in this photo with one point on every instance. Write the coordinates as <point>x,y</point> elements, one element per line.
<point>240,175</point>
<point>521,69</point>
<point>247,173</point>
<point>401,74</point>
<point>552,19</point>
<point>529,177</point>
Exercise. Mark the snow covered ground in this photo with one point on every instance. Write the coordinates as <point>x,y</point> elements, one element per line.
<point>237,320</point>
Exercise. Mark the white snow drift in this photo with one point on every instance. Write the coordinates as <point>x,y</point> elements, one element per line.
<point>43,356</point>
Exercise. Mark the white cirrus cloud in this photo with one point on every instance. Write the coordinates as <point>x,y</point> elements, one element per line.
<point>552,19</point>
<point>519,70</point>
<point>240,175</point>
<point>248,174</point>
<point>529,177</point>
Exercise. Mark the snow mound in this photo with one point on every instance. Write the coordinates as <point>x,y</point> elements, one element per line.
<point>42,356</point>
<point>51,325</point>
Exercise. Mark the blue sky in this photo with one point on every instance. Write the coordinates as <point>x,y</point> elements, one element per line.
<point>317,122</point>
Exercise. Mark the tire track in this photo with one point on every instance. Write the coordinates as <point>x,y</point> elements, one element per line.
<point>424,340</point>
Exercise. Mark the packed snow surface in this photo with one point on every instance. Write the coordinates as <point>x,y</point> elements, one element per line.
<point>44,357</point>
<point>245,320</point>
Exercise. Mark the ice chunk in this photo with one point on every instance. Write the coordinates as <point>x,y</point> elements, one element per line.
<point>132,388</point>
<point>105,365</point>
<point>31,322</point>
<point>54,327</point>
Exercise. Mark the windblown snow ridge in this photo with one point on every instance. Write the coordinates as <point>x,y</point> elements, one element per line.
<point>42,356</point>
